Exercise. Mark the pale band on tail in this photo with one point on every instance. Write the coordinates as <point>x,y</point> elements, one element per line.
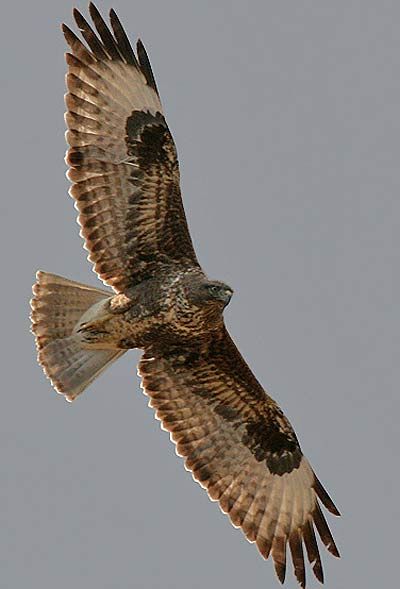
<point>57,307</point>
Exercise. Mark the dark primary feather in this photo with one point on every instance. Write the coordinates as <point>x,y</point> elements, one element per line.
<point>122,39</point>
<point>122,158</point>
<point>79,49</point>
<point>324,497</point>
<point>145,65</point>
<point>312,550</point>
<point>89,35</point>
<point>105,35</point>
<point>209,401</point>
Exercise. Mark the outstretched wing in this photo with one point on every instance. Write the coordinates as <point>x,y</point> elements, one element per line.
<point>122,158</point>
<point>242,449</point>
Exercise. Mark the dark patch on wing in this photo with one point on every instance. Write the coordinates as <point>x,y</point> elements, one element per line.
<point>149,141</point>
<point>155,169</point>
<point>137,122</point>
<point>275,444</point>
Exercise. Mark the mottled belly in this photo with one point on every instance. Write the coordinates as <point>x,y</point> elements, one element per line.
<point>122,331</point>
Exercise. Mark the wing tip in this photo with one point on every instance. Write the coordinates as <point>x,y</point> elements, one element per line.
<point>324,531</point>
<point>79,18</point>
<point>111,42</point>
<point>280,570</point>
<point>324,497</point>
<point>145,65</point>
<point>93,10</point>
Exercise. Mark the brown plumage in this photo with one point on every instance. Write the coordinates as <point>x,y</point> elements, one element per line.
<point>125,181</point>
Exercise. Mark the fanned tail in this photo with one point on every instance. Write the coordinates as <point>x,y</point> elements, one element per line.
<point>57,306</point>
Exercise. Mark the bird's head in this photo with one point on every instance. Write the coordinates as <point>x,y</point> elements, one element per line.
<point>197,303</point>
<point>204,293</point>
<point>213,292</point>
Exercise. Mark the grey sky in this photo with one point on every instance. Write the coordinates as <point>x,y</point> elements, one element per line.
<point>286,118</point>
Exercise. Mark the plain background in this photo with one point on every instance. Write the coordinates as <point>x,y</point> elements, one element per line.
<point>287,121</point>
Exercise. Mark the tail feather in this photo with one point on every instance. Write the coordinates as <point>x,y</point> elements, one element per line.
<point>57,306</point>
<point>72,368</point>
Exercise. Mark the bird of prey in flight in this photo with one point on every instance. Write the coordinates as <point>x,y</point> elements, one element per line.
<point>124,171</point>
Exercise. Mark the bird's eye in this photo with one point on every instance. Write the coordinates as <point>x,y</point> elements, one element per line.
<point>213,289</point>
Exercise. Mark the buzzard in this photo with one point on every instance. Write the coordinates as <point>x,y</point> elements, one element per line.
<point>124,171</point>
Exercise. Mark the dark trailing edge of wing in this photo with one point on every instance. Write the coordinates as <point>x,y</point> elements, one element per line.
<point>106,46</point>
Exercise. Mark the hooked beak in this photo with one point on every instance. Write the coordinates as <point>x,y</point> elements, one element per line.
<point>226,295</point>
